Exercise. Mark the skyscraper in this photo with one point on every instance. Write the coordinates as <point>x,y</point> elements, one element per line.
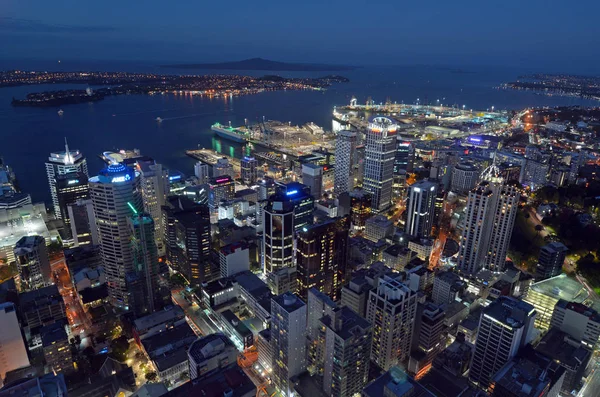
<point>380,153</point>
<point>13,354</point>
<point>70,188</point>
<point>60,163</point>
<point>278,236</point>
<point>464,177</point>
<point>490,216</point>
<point>33,263</point>
<point>154,183</point>
<point>288,339</point>
<point>321,257</point>
<point>83,223</point>
<point>249,168</point>
<point>345,156</point>
<point>312,176</point>
<point>391,310</point>
<point>427,338</point>
<point>303,202</point>
<point>115,192</point>
<point>220,188</point>
<point>360,208</point>
<point>551,259</point>
<point>505,326</point>
<point>421,209</point>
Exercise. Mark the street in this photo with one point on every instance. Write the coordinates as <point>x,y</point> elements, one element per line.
<point>77,316</point>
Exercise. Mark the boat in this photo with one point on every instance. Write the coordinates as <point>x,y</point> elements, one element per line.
<point>60,112</point>
<point>230,133</point>
<point>158,119</point>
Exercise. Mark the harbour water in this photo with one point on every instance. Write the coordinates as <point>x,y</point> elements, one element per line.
<point>28,135</point>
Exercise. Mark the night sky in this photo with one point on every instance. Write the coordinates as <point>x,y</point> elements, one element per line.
<point>554,34</point>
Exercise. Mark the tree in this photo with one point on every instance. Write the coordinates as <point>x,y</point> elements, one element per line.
<point>119,348</point>
<point>151,376</point>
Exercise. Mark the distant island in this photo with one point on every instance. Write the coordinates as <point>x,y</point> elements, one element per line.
<point>262,64</point>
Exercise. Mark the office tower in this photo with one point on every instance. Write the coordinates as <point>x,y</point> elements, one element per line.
<point>582,323</point>
<point>142,280</point>
<point>322,256</point>
<point>266,188</point>
<point>577,161</point>
<point>278,236</point>
<point>70,188</point>
<point>33,264</point>
<point>348,339</point>
<point>249,168</point>
<point>447,286</point>
<point>202,172</point>
<point>380,153</point>
<point>60,163</point>
<point>83,222</point>
<point>360,208</point>
<point>391,310</point>
<point>345,159</point>
<point>378,227</point>
<point>114,192</point>
<point>154,183</point>
<point>220,188</point>
<point>535,173</point>
<point>550,261</point>
<point>283,280</point>
<point>319,305</point>
<point>234,258</point>
<point>490,216</point>
<point>210,354</point>
<point>464,177</point>
<point>312,176</point>
<point>421,209</point>
<point>223,168</point>
<point>288,340</point>
<point>304,203</point>
<point>187,238</point>
<point>404,153</point>
<point>505,326</point>
<point>427,338</point>
<point>56,348</point>
<point>13,354</point>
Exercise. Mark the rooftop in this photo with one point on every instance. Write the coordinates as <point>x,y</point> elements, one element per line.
<point>509,311</point>
<point>169,313</point>
<point>231,382</point>
<point>579,308</point>
<point>209,346</point>
<point>346,323</point>
<point>177,336</point>
<point>565,288</point>
<point>558,345</point>
<point>289,302</point>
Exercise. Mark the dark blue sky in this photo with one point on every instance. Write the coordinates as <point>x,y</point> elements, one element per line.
<point>551,34</point>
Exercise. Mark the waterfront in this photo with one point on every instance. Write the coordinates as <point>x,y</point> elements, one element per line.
<point>129,121</point>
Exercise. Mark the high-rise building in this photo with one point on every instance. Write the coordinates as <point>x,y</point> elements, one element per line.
<point>13,354</point>
<point>345,156</point>
<point>187,238</point>
<point>70,188</point>
<point>505,326</point>
<point>266,188</point>
<point>360,208</point>
<point>249,168</point>
<point>319,306</point>
<point>223,168</point>
<point>154,183</point>
<point>427,338</point>
<point>33,263</point>
<point>56,347</point>
<point>535,173</point>
<point>142,281</point>
<point>234,258</point>
<point>321,257</point>
<point>464,177</point>
<point>220,188</point>
<point>380,154</point>
<point>391,310</point>
<point>421,209</point>
<point>288,340</point>
<point>83,222</point>
<point>304,203</point>
<point>202,172</point>
<point>550,261</point>
<point>403,160</point>
<point>348,339</point>
<point>278,235</point>
<point>447,286</point>
<point>490,216</point>
<point>115,192</point>
<point>60,163</point>
<point>582,323</point>
<point>312,176</point>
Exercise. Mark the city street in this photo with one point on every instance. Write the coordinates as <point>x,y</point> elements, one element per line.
<point>77,316</point>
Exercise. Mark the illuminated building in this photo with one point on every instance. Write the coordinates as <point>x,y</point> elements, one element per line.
<point>33,263</point>
<point>266,188</point>
<point>345,155</point>
<point>234,258</point>
<point>403,160</point>
<point>505,326</point>
<point>322,256</point>
<point>581,322</point>
<point>278,236</point>
<point>312,176</point>
<point>114,192</point>
<point>70,188</point>
<point>378,227</point>
<point>535,173</point>
<point>142,281</point>
<point>83,222</point>
<point>223,168</point>
<point>56,347</point>
<point>319,306</point>
<point>391,310</point>
<point>299,196</point>
<point>249,168</point>
<point>380,154</point>
<point>220,188</point>
<point>428,337</point>
<point>464,178</point>
<point>360,208</point>
<point>490,217</point>
<point>421,209</point>
<point>13,354</point>
<point>187,238</point>
<point>447,286</point>
<point>288,340</point>
<point>211,354</point>
<point>348,340</point>
<point>60,163</point>
<point>550,261</point>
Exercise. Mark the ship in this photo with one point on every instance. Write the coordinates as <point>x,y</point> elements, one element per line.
<point>60,112</point>
<point>158,119</point>
<point>230,133</point>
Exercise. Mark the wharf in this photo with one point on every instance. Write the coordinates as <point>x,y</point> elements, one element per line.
<point>210,157</point>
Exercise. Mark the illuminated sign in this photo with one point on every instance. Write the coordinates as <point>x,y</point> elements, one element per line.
<point>73,181</point>
<point>222,180</point>
<point>122,178</point>
<point>473,139</point>
<point>175,177</point>
<point>291,192</point>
